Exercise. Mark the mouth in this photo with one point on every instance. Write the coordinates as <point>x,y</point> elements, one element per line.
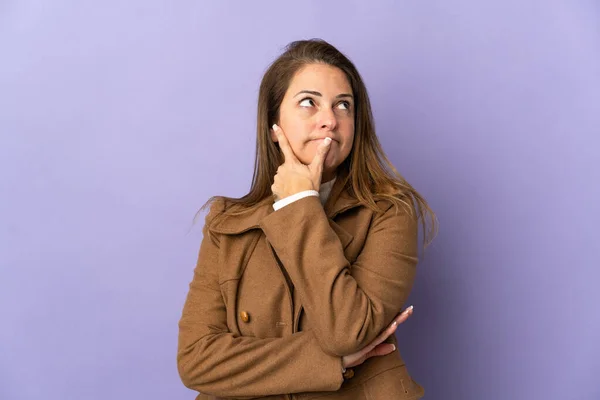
<point>319,140</point>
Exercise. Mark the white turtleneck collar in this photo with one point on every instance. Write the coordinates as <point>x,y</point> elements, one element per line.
<point>325,190</point>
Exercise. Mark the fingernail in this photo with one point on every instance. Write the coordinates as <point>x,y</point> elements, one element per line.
<point>327,140</point>
<point>394,323</point>
<point>409,309</point>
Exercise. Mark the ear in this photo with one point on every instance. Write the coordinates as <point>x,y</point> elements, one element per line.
<point>273,135</point>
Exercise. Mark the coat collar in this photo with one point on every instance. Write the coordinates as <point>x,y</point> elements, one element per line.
<point>339,200</point>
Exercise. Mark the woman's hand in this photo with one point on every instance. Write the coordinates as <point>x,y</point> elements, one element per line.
<point>377,347</point>
<point>293,176</point>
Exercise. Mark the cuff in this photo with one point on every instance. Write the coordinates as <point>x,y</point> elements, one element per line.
<point>290,199</point>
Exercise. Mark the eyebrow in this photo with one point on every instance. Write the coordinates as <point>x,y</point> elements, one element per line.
<point>314,93</point>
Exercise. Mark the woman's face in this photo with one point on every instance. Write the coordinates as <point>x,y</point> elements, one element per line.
<point>318,103</point>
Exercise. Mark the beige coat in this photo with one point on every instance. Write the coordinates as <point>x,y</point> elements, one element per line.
<point>278,297</point>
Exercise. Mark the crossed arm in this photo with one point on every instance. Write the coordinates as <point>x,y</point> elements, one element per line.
<point>349,313</point>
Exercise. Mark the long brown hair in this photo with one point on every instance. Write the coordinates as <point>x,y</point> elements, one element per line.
<point>369,173</point>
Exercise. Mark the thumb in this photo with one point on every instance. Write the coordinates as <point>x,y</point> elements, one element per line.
<point>381,349</point>
<point>317,163</point>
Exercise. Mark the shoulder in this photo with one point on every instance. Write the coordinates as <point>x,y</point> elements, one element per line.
<point>398,217</point>
<point>226,217</point>
<point>396,205</point>
<point>216,207</point>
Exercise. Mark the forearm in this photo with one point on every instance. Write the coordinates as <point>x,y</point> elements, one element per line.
<point>213,360</point>
<point>223,365</point>
<point>346,311</point>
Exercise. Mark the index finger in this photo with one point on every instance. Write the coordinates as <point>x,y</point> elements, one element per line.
<point>284,145</point>
<point>398,319</point>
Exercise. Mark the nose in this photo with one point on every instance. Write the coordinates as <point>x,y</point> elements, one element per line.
<point>327,120</point>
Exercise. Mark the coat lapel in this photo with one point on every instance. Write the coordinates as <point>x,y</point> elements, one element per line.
<point>338,202</point>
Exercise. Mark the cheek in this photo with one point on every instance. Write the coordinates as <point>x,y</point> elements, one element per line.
<point>301,149</point>
<point>348,139</point>
<point>306,151</point>
<point>296,133</point>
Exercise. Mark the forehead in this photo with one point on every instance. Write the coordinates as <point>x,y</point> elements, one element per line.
<point>322,78</point>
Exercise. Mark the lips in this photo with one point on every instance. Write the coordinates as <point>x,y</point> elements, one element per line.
<point>321,139</point>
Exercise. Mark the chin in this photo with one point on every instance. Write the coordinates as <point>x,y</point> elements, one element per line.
<point>331,162</point>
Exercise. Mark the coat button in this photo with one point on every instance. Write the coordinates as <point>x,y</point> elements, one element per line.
<point>348,374</point>
<point>244,316</point>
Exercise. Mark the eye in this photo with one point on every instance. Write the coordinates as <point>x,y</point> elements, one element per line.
<point>344,105</point>
<point>307,102</point>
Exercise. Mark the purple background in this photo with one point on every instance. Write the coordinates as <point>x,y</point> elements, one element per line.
<point>118,119</point>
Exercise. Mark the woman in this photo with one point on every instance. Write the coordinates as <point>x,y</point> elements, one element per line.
<point>299,284</point>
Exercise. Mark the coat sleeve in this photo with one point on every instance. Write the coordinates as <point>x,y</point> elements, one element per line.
<point>214,361</point>
<point>346,311</point>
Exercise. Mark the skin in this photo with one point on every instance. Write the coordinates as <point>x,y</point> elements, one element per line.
<point>318,103</point>
<point>377,347</point>
<point>315,133</point>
